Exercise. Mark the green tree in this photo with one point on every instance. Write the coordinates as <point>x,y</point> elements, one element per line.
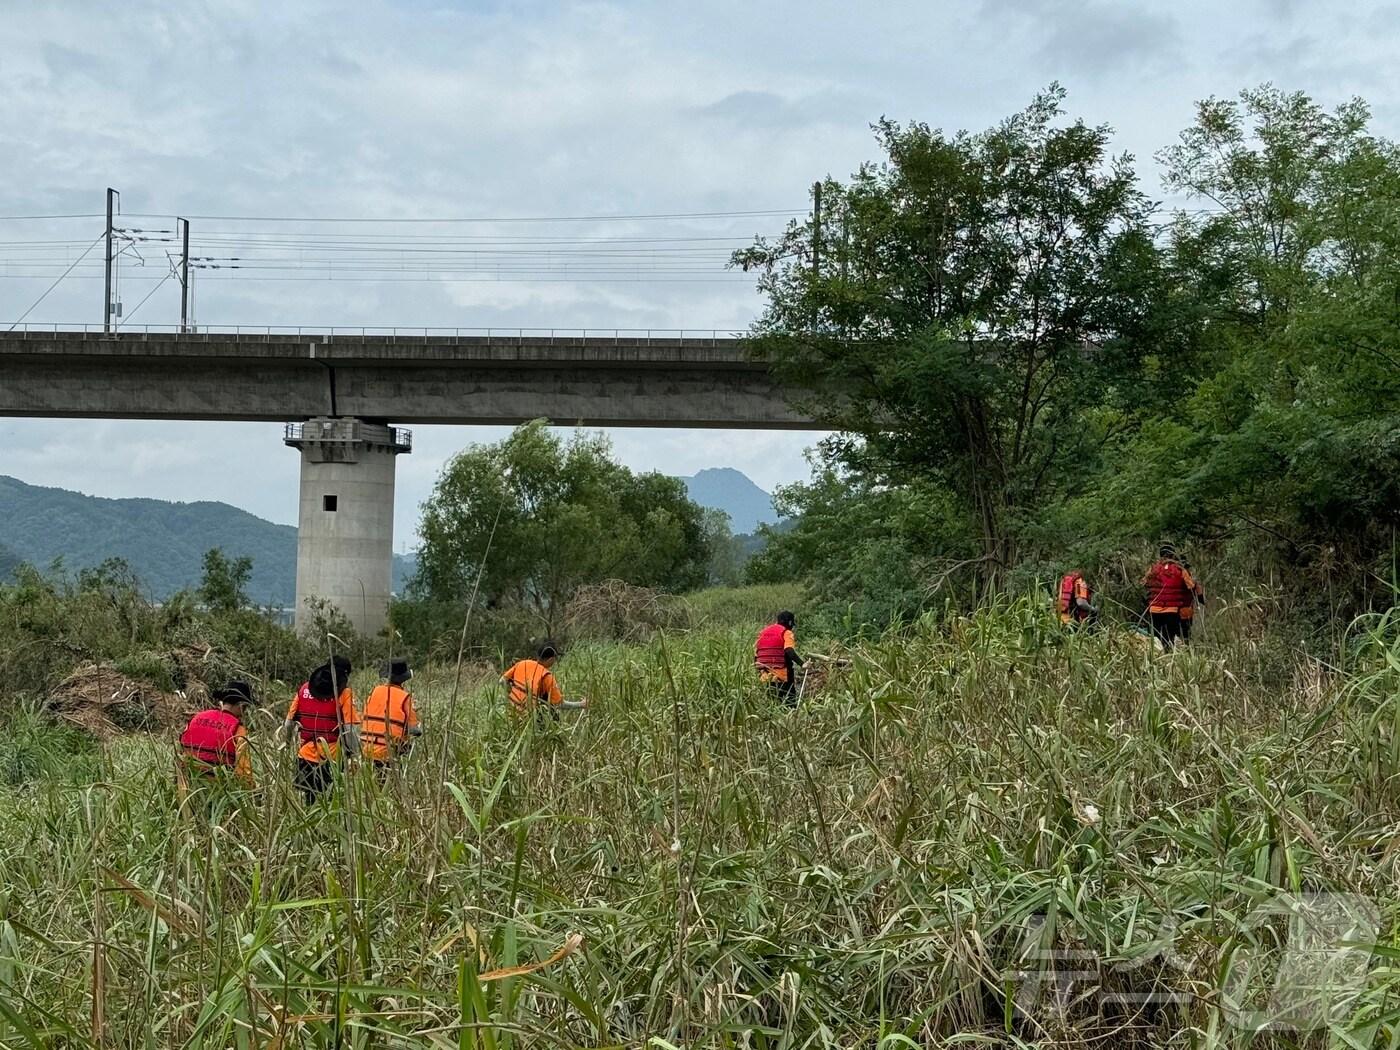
<point>113,584</point>
<point>868,553</point>
<point>534,517</point>
<point>1285,427</point>
<point>224,584</point>
<point>726,551</point>
<point>959,304</point>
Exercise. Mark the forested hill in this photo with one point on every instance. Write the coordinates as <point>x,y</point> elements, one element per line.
<point>9,562</point>
<point>164,543</point>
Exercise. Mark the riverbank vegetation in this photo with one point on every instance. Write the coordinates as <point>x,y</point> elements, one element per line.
<point>900,861</point>
<point>1031,366</point>
<point>976,827</point>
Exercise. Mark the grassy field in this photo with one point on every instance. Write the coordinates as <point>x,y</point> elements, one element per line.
<point>980,833</point>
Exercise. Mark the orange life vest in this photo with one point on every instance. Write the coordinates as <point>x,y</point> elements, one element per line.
<point>530,682</point>
<point>211,739</point>
<point>386,715</point>
<point>769,650</point>
<point>317,719</point>
<point>1067,607</point>
<point>1166,586</point>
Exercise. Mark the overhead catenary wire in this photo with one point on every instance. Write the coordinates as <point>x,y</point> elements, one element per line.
<point>488,249</point>
<point>464,266</point>
<point>301,252</point>
<point>649,248</point>
<point>580,264</point>
<point>38,218</point>
<point>395,265</point>
<point>485,278</point>
<point>484,219</point>
<point>132,313</point>
<point>425,272</point>
<point>409,258</point>
<point>658,248</point>
<point>465,238</point>
<point>48,243</point>
<point>57,281</point>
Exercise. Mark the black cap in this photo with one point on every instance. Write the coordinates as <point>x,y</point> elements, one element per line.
<point>328,678</point>
<point>549,651</point>
<point>397,671</point>
<point>236,692</point>
<point>1167,550</point>
<point>787,619</point>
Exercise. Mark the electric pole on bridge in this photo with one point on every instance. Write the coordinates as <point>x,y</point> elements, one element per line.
<point>113,197</point>
<point>184,274</point>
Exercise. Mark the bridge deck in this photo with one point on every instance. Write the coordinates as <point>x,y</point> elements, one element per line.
<point>616,379</point>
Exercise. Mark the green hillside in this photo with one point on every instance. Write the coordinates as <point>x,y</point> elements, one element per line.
<point>162,542</point>
<point>9,562</point>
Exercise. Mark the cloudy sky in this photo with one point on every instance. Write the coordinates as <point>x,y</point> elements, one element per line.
<point>260,117</point>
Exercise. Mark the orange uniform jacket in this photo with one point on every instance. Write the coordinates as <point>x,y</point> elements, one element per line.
<point>531,681</point>
<point>319,750</point>
<point>388,717</point>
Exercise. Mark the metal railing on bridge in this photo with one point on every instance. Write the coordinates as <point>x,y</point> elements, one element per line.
<point>343,431</point>
<point>263,332</point>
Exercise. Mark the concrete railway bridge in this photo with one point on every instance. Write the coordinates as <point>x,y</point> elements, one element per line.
<point>344,393</point>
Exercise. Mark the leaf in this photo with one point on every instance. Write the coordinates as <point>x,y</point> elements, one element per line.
<point>185,920</point>
<point>571,944</point>
<point>468,931</point>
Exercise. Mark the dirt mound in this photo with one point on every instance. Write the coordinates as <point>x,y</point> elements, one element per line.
<point>105,702</point>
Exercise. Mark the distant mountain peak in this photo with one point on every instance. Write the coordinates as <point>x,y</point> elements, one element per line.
<point>722,472</point>
<point>732,491</point>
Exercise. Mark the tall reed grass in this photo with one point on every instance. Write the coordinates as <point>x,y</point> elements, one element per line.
<point>982,832</point>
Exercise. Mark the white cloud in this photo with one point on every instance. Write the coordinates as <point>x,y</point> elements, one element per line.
<point>249,107</point>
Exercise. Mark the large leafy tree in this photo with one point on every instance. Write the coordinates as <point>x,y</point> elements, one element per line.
<point>223,587</point>
<point>534,517</point>
<point>954,307</point>
<point>1286,424</point>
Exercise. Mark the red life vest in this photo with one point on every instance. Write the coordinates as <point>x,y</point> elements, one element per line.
<point>1067,604</point>
<point>1166,586</point>
<point>317,719</point>
<point>769,650</point>
<point>211,738</point>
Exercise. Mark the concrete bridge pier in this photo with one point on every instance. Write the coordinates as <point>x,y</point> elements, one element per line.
<point>345,526</point>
